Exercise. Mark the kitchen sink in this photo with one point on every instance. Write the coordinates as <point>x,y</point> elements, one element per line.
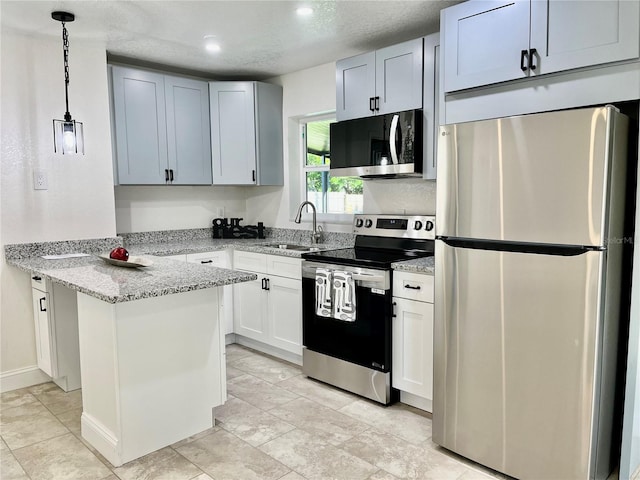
<point>292,246</point>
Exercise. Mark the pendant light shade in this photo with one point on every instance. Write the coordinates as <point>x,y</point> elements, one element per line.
<point>68,134</point>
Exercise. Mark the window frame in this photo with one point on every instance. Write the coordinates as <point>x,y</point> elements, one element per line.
<point>346,218</point>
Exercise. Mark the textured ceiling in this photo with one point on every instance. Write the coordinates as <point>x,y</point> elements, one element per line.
<point>259,39</point>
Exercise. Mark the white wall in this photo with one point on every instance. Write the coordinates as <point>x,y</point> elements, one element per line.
<point>79,202</point>
<point>149,208</point>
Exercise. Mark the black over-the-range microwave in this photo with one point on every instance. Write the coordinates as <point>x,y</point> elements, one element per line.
<point>378,146</point>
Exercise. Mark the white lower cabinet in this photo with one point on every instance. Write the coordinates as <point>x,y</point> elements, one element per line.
<point>220,259</point>
<point>55,315</point>
<point>269,309</point>
<point>412,334</point>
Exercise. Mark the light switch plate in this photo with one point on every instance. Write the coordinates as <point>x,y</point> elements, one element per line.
<point>40,181</point>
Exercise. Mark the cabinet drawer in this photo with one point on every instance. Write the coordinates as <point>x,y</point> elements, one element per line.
<point>249,261</point>
<point>39,283</point>
<point>219,258</point>
<point>413,286</point>
<point>284,266</point>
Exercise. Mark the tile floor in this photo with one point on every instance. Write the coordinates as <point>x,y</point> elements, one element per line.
<point>276,424</point>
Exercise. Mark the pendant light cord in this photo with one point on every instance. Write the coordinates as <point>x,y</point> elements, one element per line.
<point>65,52</point>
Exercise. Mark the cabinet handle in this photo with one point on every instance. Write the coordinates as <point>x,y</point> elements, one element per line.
<point>532,56</point>
<point>268,283</point>
<point>523,56</point>
<point>166,174</point>
<point>377,104</point>
<point>393,310</point>
<point>372,105</point>
<point>42,309</point>
<point>417,287</point>
<point>37,278</point>
<point>264,284</point>
<point>253,175</point>
<point>171,175</point>
<point>206,261</point>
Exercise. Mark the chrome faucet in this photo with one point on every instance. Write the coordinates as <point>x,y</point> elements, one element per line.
<point>316,234</point>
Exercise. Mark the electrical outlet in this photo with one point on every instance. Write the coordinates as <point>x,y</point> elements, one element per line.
<point>40,181</point>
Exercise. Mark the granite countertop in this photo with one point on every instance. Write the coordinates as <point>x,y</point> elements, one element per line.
<point>419,265</point>
<point>112,284</point>
<point>203,245</point>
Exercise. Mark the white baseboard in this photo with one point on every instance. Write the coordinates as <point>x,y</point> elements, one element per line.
<point>21,378</point>
<point>416,401</point>
<point>229,338</point>
<point>101,439</point>
<point>269,350</point>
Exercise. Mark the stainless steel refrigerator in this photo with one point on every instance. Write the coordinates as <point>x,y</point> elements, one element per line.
<point>528,257</point>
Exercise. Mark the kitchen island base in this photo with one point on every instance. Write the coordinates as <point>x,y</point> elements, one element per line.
<point>152,370</point>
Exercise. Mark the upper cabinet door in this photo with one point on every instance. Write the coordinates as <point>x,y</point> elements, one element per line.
<point>355,86</point>
<point>141,136</point>
<point>568,34</point>
<point>188,132</point>
<point>483,42</point>
<point>233,135</point>
<point>399,77</point>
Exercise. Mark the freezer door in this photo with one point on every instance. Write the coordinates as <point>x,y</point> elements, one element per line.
<point>515,341</point>
<point>535,178</point>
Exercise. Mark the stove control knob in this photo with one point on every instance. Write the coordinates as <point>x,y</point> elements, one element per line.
<point>359,222</point>
<point>368,223</point>
<point>429,226</point>
<point>417,225</point>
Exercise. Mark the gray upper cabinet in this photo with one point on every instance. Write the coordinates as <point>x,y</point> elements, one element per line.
<point>246,133</point>
<point>432,109</point>
<point>140,121</point>
<point>491,41</point>
<point>161,128</point>
<point>188,141</point>
<point>355,86</point>
<point>385,81</point>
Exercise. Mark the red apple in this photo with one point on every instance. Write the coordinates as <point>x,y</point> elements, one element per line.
<point>119,253</point>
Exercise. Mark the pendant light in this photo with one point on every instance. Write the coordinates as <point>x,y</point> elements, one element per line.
<point>68,135</point>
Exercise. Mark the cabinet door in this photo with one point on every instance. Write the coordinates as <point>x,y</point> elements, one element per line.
<point>355,86</point>
<point>483,41</point>
<point>412,350</point>
<point>233,134</point>
<point>141,127</point>
<point>188,132</point>
<point>219,259</point>
<point>431,105</point>
<point>42,331</point>
<point>399,77</point>
<point>250,309</point>
<point>570,34</point>
<point>285,313</point>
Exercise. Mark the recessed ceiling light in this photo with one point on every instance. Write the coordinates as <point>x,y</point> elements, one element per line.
<point>304,11</point>
<point>210,44</point>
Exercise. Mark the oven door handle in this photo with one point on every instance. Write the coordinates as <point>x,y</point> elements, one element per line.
<point>367,277</point>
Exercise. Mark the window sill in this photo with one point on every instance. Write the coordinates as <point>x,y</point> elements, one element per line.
<point>340,218</point>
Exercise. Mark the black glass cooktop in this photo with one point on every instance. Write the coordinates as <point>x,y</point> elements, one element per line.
<point>364,257</point>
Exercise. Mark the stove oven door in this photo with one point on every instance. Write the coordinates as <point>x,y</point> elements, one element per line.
<point>346,313</point>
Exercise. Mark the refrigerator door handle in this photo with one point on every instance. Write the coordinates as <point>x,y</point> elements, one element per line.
<point>519,247</point>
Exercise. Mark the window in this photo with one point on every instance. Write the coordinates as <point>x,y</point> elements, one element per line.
<point>333,195</point>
